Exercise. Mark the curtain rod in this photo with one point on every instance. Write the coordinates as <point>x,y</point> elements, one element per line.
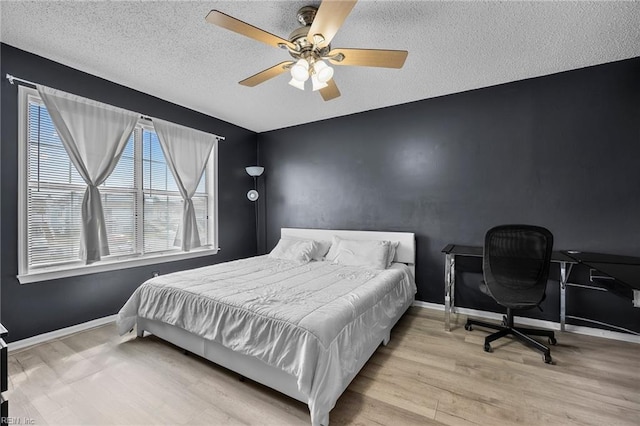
<point>13,79</point>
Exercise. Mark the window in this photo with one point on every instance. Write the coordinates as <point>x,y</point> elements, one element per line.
<point>141,202</point>
<point>163,202</point>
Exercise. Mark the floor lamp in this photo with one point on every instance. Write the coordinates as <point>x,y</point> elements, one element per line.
<point>253,194</point>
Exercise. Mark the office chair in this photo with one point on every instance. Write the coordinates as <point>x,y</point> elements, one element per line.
<point>515,266</point>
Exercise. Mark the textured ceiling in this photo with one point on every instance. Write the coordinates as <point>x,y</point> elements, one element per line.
<point>168,50</point>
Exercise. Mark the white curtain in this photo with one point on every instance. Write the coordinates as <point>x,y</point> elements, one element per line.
<point>186,151</point>
<point>94,135</point>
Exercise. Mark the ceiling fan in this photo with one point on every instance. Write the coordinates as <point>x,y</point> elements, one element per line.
<point>310,47</point>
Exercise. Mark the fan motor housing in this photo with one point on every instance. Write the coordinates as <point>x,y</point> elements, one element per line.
<point>298,36</point>
<point>306,14</point>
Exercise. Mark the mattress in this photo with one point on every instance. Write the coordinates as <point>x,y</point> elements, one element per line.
<point>310,320</point>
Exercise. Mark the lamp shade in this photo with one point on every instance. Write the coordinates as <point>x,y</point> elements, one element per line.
<point>324,71</point>
<point>317,84</point>
<point>253,195</point>
<point>297,84</point>
<point>254,171</point>
<point>300,71</point>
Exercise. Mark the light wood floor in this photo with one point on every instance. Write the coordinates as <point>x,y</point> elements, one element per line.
<point>424,376</point>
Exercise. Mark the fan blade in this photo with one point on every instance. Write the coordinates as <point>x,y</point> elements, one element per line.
<point>331,91</point>
<point>225,21</point>
<point>329,18</point>
<point>267,74</point>
<point>369,57</point>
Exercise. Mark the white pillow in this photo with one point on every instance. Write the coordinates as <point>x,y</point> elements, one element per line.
<point>296,250</point>
<point>393,247</point>
<point>333,250</point>
<point>322,247</point>
<point>322,250</point>
<point>372,254</point>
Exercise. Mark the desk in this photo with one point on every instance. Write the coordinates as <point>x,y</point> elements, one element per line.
<point>452,250</point>
<point>622,275</point>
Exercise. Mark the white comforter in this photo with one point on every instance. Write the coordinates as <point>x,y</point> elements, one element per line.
<point>311,320</point>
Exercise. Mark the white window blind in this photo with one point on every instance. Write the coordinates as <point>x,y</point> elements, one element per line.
<point>162,200</point>
<point>141,203</point>
<point>55,196</point>
<point>163,203</point>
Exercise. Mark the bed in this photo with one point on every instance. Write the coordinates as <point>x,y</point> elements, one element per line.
<point>302,327</point>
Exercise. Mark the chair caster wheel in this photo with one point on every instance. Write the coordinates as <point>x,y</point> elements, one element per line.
<point>468,327</point>
<point>552,341</point>
<point>487,347</point>
<point>547,359</point>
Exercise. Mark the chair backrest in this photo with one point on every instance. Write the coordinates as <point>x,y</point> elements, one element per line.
<point>516,264</point>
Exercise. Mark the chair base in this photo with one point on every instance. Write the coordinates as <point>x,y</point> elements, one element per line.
<point>520,333</point>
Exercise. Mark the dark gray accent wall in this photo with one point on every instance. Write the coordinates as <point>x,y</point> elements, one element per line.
<point>32,309</point>
<point>561,151</point>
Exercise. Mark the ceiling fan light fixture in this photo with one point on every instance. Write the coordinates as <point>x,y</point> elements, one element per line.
<point>323,71</point>
<point>317,84</point>
<point>297,83</point>
<point>309,44</point>
<point>300,71</point>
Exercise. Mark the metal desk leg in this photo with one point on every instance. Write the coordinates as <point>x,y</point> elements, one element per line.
<point>565,271</point>
<point>449,289</point>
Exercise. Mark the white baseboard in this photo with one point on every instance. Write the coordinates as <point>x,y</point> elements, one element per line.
<point>56,334</point>
<point>532,322</point>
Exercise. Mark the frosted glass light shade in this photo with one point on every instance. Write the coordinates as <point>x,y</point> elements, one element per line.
<point>300,71</point>
<point>297,84</point>
<point>323,71</point>
<point>253,195</point>
<point>254,171</point>
<point>317,84</point>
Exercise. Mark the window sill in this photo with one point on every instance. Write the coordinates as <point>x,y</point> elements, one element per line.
<point>113,265</point>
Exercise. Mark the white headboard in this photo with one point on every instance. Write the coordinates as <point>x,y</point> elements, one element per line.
<point>406,252</point>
